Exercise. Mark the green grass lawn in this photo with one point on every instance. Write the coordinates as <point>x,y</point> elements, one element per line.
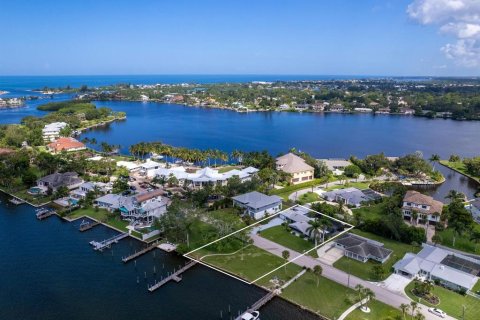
<point>462,243</point>
<point>285,192</point>
<point>252,263</point>
<point>328,299</point>
<point>36,200</point>
<point>101,215</point>
<point>308,197</point>
<point>459,166</point>
<point>378,310</point>
<point>228,168</point>
<point>364,270</point>
<point>359,185</point>
<point>281,236</point>
<point>451,302</point>
<point>371,212</point>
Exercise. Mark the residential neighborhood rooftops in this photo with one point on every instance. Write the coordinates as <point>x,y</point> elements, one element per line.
<point>350,196</point>
<point>334,164</point>
<point>363,247</point>
<point>149,195</point>
<point>57,180</point>
<point>292,163</point>
<point>65,143</point>
<point>256,199</point>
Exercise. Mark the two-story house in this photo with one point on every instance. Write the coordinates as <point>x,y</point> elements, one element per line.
<point>143,208</point>
<point>419,207</point>
<point>299,170</point>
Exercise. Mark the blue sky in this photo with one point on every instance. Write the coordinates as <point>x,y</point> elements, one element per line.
<point>340,37</point>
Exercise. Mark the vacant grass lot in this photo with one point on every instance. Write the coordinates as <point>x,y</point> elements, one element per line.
<point>281,236</point>
<point>451,302</point>
<point>364,270</point>
<point>328,299</point>
<point>251,263</point>
<point>358,185</point>
<point>378,309</point>
<point>101,215</point>
<point>372,212</point>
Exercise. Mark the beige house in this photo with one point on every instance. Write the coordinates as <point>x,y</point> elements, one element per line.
<point>419,207</point>
<point>296,166</point>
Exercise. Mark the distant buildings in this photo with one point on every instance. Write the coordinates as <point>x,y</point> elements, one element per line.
<point>257,205</point>
<point>52,131</point>
<point>417,206</point>
<point>299,170</point>
<point>65,144</point>
<point>350,196</point>
<point>453,270</point>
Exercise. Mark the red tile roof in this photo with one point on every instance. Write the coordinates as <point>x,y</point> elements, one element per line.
<point>65,144</point>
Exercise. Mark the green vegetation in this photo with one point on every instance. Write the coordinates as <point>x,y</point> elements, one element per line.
<point>471,171</point>
<point>450,302</point>
<point>328,298</point>
<point>350,184</point>
<point>71,105</point>
<point>463,242</point>
<point>285,192</point>
<point>366,270</point>
<point>308,197</point>
<point>251,263</point>
<point>111,219</point>
<point>282,236</point>
<point>378,310</point>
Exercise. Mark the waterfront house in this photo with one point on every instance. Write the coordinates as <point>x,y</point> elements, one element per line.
<point>337,166</point>
<point>52,131</point>
<point>129,165</point>
<point>148,168</point>
<point>143,208</point>
<point>86,187</point>
<point>362,249</point>
<point>299,170</point>
<point>474,208</point>
<point>110,202</point>
<point>349,196</point>
<point>451,269</point>
<point>419,207</point>
<point>65,144</point>
<point>257,205</point>
<point>52,182</point>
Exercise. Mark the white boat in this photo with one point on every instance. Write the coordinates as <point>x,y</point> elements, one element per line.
<point>255,315</point>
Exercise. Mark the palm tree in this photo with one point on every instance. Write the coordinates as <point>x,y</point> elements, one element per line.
<point>285,256</point>
<point>475,238</point>
<point>413,307</point>
<point>369,295</point>
<point>315,229</point>
<point>434,158</point>
<point>404,308</point>
<point>419,316</point>
<point>317,271</point>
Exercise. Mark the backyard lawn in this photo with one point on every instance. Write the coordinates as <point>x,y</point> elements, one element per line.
<point>328,299</point>
<point>451,302</point>
<point>459,166</point>
<point>364,270</point>
<point>359,185</point>
<point>281,236</point>
<point>101,215</point>
<point>378,310</point>
<point>308,197</point>
<point>371,212</point>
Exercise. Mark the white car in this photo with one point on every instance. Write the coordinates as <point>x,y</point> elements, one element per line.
<point>437,312</point>
<point>251,316</point>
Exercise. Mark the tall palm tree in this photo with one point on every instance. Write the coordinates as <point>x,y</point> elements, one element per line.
<point>404,308</point>
<point>285,256</point>
<point>315,229</point>
<point>413,307</point>
<point>434,158</point>
<point>317,271</point>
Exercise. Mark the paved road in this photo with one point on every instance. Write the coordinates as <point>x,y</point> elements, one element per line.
<point>382,294</point>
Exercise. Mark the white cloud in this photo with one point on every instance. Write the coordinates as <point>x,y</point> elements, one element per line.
<point>459,18</point>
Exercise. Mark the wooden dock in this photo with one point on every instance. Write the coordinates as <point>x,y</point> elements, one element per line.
<point>16,200</point>
<point>84,226</point>
<point>44,213</point>
<point>260,303</point>
<point>141,252</point>
<point>100,246</point>
<point>175,276</point>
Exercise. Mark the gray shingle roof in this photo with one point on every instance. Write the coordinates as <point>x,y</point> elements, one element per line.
<point>363,247</point>
<point>257,200</point>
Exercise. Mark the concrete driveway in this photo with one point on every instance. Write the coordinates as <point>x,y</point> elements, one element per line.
<point>329,253</point>
<point>395,283</point>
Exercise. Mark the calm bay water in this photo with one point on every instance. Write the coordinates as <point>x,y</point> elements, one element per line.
<point>48,270</point>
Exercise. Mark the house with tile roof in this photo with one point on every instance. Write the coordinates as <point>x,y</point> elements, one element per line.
<point>52,182</point>
<point>299,170</point>
<point>419,207</point>
<point>65,144</point>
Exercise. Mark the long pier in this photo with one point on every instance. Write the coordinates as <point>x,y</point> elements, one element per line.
<point>260,303</point>
<point>100,246</point>
<point>175,276</point>
<point>84,226</point>
<point>141,252</point>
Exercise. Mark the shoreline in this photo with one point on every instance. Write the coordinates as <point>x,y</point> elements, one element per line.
<point>477,180</point>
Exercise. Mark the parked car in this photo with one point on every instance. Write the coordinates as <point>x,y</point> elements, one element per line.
<point>437,312</point>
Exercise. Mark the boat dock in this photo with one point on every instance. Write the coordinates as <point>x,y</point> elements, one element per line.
<point>44,213</point>
<point>16,200</point>
<point>260,303</point>
<point>86,225</point>
<point>141,252</point>
<point>175,276</point>
<point>100,246</point>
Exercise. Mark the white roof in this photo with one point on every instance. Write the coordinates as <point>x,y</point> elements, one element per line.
<point>150,164</point>
<point>96,158</point>
<point>128,164</point>
<point>54,126</point>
